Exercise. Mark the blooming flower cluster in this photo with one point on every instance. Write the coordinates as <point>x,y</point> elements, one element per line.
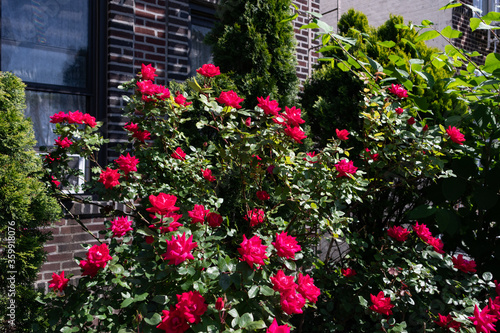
<point>97,258</point>
<point>455,135</point>
<point>120,226</point>
<point>294,295</point>
<point>63,143</point>
<point>381,304</point>
<point>127,163</point>
<point>484,319</point>
<point>207,174</point>
<point>136,133</point>
<point>286,246</point>
<point>424,234</point>
<point>179,249</point>
<point>109,178</point>
<point>398,90</point>
<point>398,233</point>
<point>230,99</point>
<point>342,134</point>
<point>188,310</point>
<point>345,168</point>
<point>76,117</point>
<point>255,216</point>
<point>58,282</point>
<point>208,70</point>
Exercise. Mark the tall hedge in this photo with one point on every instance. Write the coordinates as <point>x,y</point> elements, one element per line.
<point>24,206</point>
<point>257,49</point>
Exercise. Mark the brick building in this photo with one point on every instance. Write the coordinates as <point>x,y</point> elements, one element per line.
<point>73,55</point>
<point>378,12</point>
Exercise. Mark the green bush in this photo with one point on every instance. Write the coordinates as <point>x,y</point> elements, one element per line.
<point>24,205</point>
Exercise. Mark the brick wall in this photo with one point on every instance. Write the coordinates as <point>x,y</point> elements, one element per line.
<point>153,32</point>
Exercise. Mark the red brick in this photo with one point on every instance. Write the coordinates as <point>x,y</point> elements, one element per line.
<point>144,31</point>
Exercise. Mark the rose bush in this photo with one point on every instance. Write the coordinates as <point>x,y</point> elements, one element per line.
<point>225,233</point>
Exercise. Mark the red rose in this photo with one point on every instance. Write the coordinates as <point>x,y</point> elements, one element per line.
<point>229,98</point>
<point>455,135</point>
<point>292,302</point>
<point>344,168</point>
<point>120,226</point>
<point>295,133</point>
<point>381,304</point>
<point>262,195</point>
<point>98,255</point>
<point>256,216</point>
<point>58,117</point>
<point>436,243</point>
<point>348,272</point>
<point>55,181</point>
<point>447,322</point>
<point>372,156</point>
<point>179,249</point>
<point>283,283</point>
<point>173,321</point>
<point>181,100</point>
<point>219,304</point>
<point>483,320</point>
<point>179,154</point>
<point>269,107</point>
<point>274,328</point>
<point>88,268</point>
<point>208,70</point>
<point>89,120</point>
<point>252,251</point>
<point>192,305</point>
<point>307,288</point>
<point>411,121</point>
<point>109,178</point>
<point>398,233</point>
<point>75,117</point>
<point>142,135</point>
<point>399,111</point>
<point>398,90</point>
<point>162,203</point>
<point>342,134</point>
<point>64,143</point>
<point>149,239</point>
<point>131,127</point>
<point>127,163</point>
<point>248,122</point>
<point>425,128</point>
<point>466,266</point>
<point>214,220</point>
<point>148,72</point>
<point>422,231</point>
<point>58,282</point>
<point>286,246</point>
<point>207,174</point>
<point>198,214</point>
<point>312,158</point>
<point>293,116</point>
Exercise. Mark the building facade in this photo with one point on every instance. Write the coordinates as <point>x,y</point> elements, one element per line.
<point>73,55</point>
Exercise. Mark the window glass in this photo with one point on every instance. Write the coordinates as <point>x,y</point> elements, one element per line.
<point>42,105</point>
<point>201,53</point>
<point>46,41</point>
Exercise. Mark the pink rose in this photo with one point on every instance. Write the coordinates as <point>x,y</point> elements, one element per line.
<point>120,226</point>
<point>381,304</point>
<point>207,174</point>
<point>58,282</point>
<point>342,134</point>
<point>229,98</point>
<point>455,135</point>
<point>466,266</point>
<point>398,90</point>
<point>214,220</point>
<point>198,214</point>
<point>274,328</point>
<point>307,288</point>
<point>398,233</point>
<point>148,72</point>
<point>269,107</point>
<point>64,143</point>
<point>179,154</point>
<point>293,116</point>
<point>162,203</point>
<point>283,283</point>
<point>109,178</point>
<point>252,251</point>
<point>127,163</point>
<point>209,70</point>
<point>344,168</point>
<point>192,305</point>
<point>295,133</point>
<point>256,216</point>
<point>286,246</point>
<point>179,249</point>
<point>292,302</point>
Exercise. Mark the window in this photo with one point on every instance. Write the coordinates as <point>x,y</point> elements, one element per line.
<point>202,21</point>
<point>487,5</point>
<point>50,45</point>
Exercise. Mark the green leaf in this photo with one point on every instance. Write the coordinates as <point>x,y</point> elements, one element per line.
<point>387,43</point>
<point>474,23</point>
<point>311,25</point>
<point>266,291</point>
<point>255,325</point>
<point>212,272</point>
<point>194,85</point>
<point>141,297</point>
<point>428,35</point>
<point>292,17</point>
<point>253,291</point>
<point>491,16</point>
<point>126,303</point>
<point>116,269</point>
<point>224,281</point>
<point>160,299</point>
<point>363,301</point>
<point>492,62</point>
<point>245,319</point>
<point>487,276</point>
<point>154,320</point>
<point>448,32</point>
<point>343,67</point>
<point>450,5</point>
<point>421,211</point>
